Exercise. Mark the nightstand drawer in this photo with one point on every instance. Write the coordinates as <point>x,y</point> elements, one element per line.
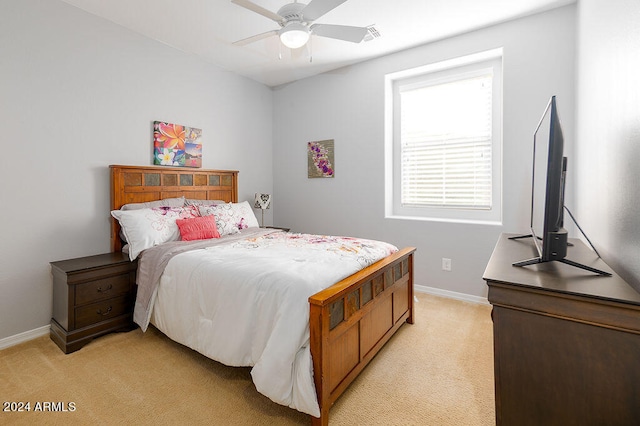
<point>96,312</point>
<point>105,288</point>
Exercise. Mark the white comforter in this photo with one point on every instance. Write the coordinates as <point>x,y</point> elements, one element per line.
<point>246,304</point>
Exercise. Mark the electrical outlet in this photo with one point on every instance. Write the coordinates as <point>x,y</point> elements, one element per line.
<point>446,264</point>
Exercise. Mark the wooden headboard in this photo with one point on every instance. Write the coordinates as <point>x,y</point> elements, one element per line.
<point>139,184</point>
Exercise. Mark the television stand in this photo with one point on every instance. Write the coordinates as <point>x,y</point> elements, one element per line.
<point>567,261</point>
<point>566,347</point>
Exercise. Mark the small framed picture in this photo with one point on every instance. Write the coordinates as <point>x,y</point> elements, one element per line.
<point>320,159</point>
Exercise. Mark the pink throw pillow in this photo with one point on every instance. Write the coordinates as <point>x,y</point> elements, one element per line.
<point>198,228</point>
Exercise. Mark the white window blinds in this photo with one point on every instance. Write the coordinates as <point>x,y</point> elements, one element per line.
<point>446,142</point>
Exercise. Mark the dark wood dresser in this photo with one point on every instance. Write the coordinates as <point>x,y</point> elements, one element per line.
<point>92,296</point>
<point>566,341</point>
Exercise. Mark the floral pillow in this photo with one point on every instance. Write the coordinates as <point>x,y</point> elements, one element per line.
<point>194,202</point>
<point>165,202</point>
<point>231,217</point>
<point>144,228</point>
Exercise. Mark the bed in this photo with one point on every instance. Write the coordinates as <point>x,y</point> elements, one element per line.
<point>349,321</point>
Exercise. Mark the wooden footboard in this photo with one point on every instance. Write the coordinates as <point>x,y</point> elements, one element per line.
<point>351,321</point>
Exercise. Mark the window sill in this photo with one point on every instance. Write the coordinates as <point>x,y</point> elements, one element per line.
<point>447,220</point>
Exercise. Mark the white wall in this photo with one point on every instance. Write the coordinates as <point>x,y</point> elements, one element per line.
<point>348,105</point>
<point>608,131</point>
<point>78,93</point>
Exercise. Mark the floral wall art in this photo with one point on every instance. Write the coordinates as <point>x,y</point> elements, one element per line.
<point>176,145</point>
<point>320,163</point>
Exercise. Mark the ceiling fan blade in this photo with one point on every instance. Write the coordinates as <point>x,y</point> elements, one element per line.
<point>340,32</point>
<point>256,37</point>
<point>258,9</point>
<point>317,8</point>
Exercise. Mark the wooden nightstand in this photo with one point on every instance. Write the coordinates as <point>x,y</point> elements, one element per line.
<point>92,296</point>
<point>278,227</point>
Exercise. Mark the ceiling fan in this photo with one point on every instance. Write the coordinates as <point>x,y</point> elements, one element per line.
<point>296,22</point>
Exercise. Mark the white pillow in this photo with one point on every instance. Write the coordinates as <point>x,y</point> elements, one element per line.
<point>165,202</point>
<point>144,228</point>
<point>231,217</point>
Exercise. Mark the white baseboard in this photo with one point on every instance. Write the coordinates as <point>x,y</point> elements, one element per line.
<point>24,337</point>
<point>450,294</point>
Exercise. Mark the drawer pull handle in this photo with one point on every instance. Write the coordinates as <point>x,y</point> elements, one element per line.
<point>100,290</point>
<point>99,312</point>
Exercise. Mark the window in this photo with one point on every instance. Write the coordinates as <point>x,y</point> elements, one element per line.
<point>444,148</point>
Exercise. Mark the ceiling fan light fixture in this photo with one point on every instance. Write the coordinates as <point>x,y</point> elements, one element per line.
<point>294,35</point>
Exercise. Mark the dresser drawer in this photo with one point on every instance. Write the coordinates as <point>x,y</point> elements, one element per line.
<point>102,289</point>
<point>96,312</point>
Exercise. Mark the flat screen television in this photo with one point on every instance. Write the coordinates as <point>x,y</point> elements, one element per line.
<point>547,192</point>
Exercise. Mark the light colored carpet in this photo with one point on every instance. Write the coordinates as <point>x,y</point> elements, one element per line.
<point>438,371</point>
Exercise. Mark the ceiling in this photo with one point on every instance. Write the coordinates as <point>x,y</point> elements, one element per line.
<point>208,28</point>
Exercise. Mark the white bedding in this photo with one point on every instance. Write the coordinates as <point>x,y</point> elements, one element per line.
<point>246,304</point>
